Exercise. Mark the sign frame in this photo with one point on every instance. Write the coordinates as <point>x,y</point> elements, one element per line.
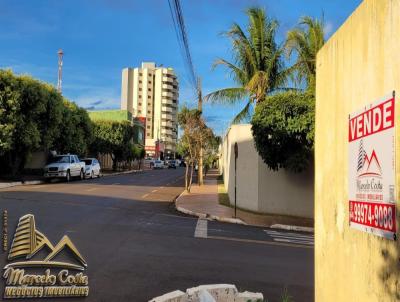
<point>372,190</point>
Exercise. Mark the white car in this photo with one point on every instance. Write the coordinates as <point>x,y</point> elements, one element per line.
<point>64,166</point>
<point>158,164</point>
<point>92,167</point>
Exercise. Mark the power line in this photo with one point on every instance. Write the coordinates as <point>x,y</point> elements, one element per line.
<point>181,35</point>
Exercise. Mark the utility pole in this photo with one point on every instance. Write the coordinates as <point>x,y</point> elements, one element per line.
<point>200,108</point>
<point>60,64</point>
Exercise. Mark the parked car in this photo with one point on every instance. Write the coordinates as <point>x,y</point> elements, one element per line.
<point>92,167</point>
<point>64,166</point>
<point>172,164</point>
<point>158,164</point>
<point>149,161</point>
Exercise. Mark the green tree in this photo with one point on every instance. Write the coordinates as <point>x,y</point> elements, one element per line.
<point>195,135</point>
<point>304,42</point>
<point>258,68</point>
<point>9,107</point>
<point>30,112</point>
<point>113,138</point>
<point>76,132</point>
<point>283,130</point>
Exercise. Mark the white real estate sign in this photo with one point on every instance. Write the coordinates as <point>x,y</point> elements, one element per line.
<point>371,168</point>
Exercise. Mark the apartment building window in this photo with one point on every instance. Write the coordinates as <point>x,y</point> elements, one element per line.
<point>148,134</point>
<point>140,74</point>
<point>140,82</point>
<point>148,127</point>
<point>149,112</point>
<point>148,104</point>
<point>149,119</point>
<point>139,111</point>
<point>149,96</point>
<point>148,89</point>
<point>140,89</point>
<point>150,74</point>
<point>140,96</point>
<point>149,82</point>
<point>140,104</point>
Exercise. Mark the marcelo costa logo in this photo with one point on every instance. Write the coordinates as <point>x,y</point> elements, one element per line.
<point>369,171</point>
<point>44,272</point>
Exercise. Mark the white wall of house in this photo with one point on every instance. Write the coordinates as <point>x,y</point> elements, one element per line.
<point>259,188</point>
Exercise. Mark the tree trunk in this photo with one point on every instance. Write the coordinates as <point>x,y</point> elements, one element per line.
<point>191,175</point>
<point>187,177</point>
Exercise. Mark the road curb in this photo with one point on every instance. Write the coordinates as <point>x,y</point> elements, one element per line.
<point>122,172</point>
<point>292,228</point>
<point>237,220</point>
<point>21,183</point>
<point>205,215</point>
<point>39,182</point>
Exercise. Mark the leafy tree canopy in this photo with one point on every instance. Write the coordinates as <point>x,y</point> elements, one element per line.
<point>283,130</point>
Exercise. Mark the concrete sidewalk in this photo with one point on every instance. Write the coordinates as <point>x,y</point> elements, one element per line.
<point>203,202</point>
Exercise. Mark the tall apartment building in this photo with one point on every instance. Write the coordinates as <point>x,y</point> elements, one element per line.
<point>151,93</point>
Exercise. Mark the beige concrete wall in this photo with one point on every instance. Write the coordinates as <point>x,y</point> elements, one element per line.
<point>357,66</point>
<point>258,188</point>
<point>283,192</point>
<point>246,170</point>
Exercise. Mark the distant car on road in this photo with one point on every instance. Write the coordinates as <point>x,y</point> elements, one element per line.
<point>92,167</point>
<point>149,161</point>
<point>172,164</point>
<point>158,164</point>
<point>64,166</point>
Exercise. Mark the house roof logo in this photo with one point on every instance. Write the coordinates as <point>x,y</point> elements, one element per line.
<point>28,241</point>
<point>368,166</point>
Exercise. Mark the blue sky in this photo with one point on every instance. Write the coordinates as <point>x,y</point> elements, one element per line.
<point>100,37</point>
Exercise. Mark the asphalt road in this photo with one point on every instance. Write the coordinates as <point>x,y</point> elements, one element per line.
<point>138,247</point>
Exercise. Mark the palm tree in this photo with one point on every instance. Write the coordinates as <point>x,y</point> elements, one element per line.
<point>305,41</point>
<point>258,66</point>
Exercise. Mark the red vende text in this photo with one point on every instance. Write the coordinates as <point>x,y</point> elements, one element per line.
<point>371,121</point>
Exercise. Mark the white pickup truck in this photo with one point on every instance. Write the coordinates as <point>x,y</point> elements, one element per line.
<point>64,166</point>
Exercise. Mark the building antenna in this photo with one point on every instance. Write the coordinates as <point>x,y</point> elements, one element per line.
<point>60,64</point>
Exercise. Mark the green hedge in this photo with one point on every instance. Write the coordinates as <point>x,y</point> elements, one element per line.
<point>283,130</point>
